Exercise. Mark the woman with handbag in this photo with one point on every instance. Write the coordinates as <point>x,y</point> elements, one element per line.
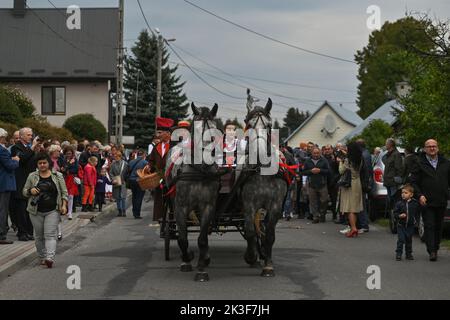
<point>47,199</point>
<point>351,194</point>
<point>119,169</point>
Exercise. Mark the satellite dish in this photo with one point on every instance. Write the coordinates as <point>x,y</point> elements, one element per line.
<point>330,125</point>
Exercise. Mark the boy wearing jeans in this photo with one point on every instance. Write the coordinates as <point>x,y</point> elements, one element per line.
<point>406,212</point>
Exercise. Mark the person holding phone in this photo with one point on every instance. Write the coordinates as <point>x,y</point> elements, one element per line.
<point>25,149</point>
<point>47,199</point>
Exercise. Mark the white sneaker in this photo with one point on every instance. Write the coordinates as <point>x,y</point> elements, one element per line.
<point>361,231</point>
<point>346,230</point>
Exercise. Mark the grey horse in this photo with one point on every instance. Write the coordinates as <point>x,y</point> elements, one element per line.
<point>262,197</point>
<point>197,188</point>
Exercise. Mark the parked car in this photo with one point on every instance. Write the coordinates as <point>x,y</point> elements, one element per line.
<point>378,198</point>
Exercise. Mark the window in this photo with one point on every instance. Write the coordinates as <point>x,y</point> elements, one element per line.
<point>53,100</point>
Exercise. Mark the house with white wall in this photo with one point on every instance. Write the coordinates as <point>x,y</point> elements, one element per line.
<point>64,70</point>
<point>328,125</point>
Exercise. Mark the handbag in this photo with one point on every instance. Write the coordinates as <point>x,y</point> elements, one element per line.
<point>345,180</point>
<point>117,180</point>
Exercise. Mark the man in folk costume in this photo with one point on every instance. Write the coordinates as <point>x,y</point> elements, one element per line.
<point>157,161</point>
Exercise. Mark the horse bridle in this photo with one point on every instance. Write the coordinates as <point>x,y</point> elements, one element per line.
<point>260,116</point>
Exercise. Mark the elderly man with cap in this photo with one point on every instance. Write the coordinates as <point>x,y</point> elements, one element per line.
<point>157,161</point>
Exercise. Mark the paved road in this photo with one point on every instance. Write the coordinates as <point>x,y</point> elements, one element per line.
<point>122,258</point>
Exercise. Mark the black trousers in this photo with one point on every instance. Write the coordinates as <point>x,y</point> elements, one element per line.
<point>333,192</point>
<point>100,199</point>
<point>433,219</point>
<point>18,207</point>
<point>405,235</point>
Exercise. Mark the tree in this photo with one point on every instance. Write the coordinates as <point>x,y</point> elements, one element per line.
<point>294,119</point>
<point>9,112</point>
<point>140,120</point>
<point>384,61</point>
<point>9,127</point>
<point>23,103</point>
<point>375,134</point>
<point>45,130</point>
<point>426,112</point>
<point>85,126</point>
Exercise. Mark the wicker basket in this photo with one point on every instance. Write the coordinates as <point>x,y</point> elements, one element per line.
<point>148,181</point>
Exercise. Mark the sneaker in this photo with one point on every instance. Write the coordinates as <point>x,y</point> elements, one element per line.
<point>398,258</point>
<point>316,221</point>
<point>346,230</point>
<point>410,257</point>
<point>60,237</point>
<point>360,231</point>
<point>291,215</point>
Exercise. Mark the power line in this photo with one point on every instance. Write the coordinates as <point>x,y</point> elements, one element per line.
<point>199,77</point>
<point>233,75</point>
<point>58,34</point>
<point>237,77</point>
<point>145,18</point>
<point>304,101</point>
<point>268,37</point>
<point>182,60</point>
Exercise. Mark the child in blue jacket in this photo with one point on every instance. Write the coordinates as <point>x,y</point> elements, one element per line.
<point>406,213</point>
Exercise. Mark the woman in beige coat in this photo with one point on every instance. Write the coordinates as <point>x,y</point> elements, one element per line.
<point>351,199</point>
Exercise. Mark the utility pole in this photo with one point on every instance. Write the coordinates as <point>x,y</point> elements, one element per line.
<point>159,76</point>
<point>161,41</point>
<point>120,60</point>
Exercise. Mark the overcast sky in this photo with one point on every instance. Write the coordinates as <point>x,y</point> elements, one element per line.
<point>335,28</point>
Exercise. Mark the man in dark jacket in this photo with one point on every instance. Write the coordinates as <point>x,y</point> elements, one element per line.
<point>363,218</point>
<point>24,149</point>
<point>316,168</point>
<point>7,184</point>
<point>93,151</point>
<point>393,171</point>
<point>431,184</point>
<point>157,161</point>
<point>332,179</point>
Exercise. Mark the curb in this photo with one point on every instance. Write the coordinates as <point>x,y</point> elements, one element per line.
<point>27,254</point>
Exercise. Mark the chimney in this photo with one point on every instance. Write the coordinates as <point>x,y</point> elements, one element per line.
<point>19,8</point>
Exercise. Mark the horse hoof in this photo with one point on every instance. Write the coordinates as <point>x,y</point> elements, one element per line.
<point>251,261</point>
<point>255,265</point>
<point>268,273</point>
<point>202,277</point>
<point>186,268</point>
<point>191,255</point>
